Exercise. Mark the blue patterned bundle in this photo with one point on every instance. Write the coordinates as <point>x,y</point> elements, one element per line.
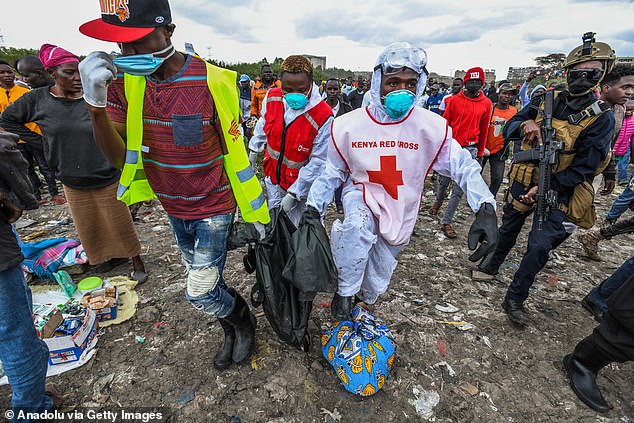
<point>361,351</point>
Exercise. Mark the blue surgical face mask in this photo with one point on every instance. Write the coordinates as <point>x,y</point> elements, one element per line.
<point>397,103</point>
<point>296,101</point>
<point>142,64</point>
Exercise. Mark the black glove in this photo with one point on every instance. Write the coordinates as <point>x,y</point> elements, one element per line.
<point>484,230</point>
<point>311,213</point>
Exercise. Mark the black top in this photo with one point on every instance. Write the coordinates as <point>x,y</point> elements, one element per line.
<point>69,146</point>
<point>592,145</point>
<point>355,99</point>
<point>17,188</point>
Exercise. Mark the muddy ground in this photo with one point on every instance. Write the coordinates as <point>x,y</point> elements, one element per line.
<point>492,372</point>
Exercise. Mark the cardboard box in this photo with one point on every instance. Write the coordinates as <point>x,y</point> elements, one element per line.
<point>64,349</point>
<point>106,313</point>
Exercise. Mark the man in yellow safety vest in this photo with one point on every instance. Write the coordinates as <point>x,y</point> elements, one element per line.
<point>171,121</point>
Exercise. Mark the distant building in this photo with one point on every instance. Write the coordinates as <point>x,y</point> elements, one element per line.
<point>627,61</point>
<point>318,62</point>
<point>433,76</point>
<point>520,74</point>
<point>489,75</point>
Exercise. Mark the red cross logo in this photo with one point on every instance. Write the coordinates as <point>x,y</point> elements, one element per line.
<point>388,176</point>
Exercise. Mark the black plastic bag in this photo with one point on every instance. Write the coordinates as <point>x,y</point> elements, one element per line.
<point>310,266</point>
<point>286,308</point>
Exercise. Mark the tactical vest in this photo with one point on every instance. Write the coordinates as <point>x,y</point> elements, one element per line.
<point>580,209</point>
<point>133,184</point>
<point>289,146</point>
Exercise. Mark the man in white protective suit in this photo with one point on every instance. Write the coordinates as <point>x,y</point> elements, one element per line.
<point>381,155</point>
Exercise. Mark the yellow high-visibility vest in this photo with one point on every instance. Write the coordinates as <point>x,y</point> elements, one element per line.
<point>133,184</point>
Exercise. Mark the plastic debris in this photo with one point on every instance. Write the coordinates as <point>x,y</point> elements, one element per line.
<point>487,396</point>
<point>332,416</point>
<point>235,419</point>
<point>424,401</point>
<point>446,307</point>
<point>470,389</point>
<point>140,339</point>
<point>476,275</point>
<point>188,395</point>
<point>486,341</point>
<point>442,346</point>
<point>446,371</point>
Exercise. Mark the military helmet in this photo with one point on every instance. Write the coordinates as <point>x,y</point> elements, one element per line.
<point>591,50</point>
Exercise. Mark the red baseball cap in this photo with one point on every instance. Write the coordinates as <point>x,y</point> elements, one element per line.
<point>127,21</point>
<point>474,73</point>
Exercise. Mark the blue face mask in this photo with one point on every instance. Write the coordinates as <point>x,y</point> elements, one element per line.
<point>142,64</point>
<point>397,103</point>
<point>296,101</point>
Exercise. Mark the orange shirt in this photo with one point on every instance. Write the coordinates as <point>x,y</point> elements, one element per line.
<point>495,141</point>
<point>258,92</point>
<point>9,96</point>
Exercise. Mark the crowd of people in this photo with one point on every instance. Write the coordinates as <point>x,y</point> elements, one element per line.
<point>155,123</point>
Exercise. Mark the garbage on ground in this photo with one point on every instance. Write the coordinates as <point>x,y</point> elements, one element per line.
<point>470,389</point>
<point>140,339</point>
<point>446,307</point>
<point>66,344</point>
<point>103,301</point>
<point>488,397</point>
<point>447,373</point>
<point>424,401</point>
<point>361,351</point>
<point>65,281</point>
<point>442,346</point>
<point>332,416</point>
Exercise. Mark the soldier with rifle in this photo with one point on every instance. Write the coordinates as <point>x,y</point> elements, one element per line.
<point>563,141</point>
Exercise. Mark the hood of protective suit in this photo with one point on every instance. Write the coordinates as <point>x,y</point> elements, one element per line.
<point>403,54</point>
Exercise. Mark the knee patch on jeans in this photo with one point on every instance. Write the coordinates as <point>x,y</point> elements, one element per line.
<point>201,281</point>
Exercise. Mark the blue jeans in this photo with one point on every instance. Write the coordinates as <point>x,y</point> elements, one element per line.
<point>24,356</point>
<point>497,163</point>
<point>599,294</point>
<point>203,245</point>
<point>622,165</point>
<point>622,203</point>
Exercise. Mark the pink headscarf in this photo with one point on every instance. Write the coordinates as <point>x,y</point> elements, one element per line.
<point>52,56</point>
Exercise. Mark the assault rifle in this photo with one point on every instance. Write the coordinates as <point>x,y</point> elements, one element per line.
<point>546,154</point>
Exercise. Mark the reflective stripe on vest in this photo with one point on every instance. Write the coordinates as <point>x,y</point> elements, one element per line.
<point>244,183</point>
<point>290,163</point>
<point>133,184</point>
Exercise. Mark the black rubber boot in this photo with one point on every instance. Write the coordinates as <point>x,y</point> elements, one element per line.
<point>243,322</point>
<point>223,359</point>
<point>515,311</point>
<point>341,307</point>
<point>582,367</point>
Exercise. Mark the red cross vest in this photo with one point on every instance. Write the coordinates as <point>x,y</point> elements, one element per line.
<point>389,162</point>
<point>289,146</point>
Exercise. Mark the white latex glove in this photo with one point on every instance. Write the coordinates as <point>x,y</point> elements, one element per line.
<point>288,202</point>
<point>97,72</point>
<point>253,159</point>
<point>487,153</point>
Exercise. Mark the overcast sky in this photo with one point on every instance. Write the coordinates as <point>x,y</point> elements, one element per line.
<point>456,35</point>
